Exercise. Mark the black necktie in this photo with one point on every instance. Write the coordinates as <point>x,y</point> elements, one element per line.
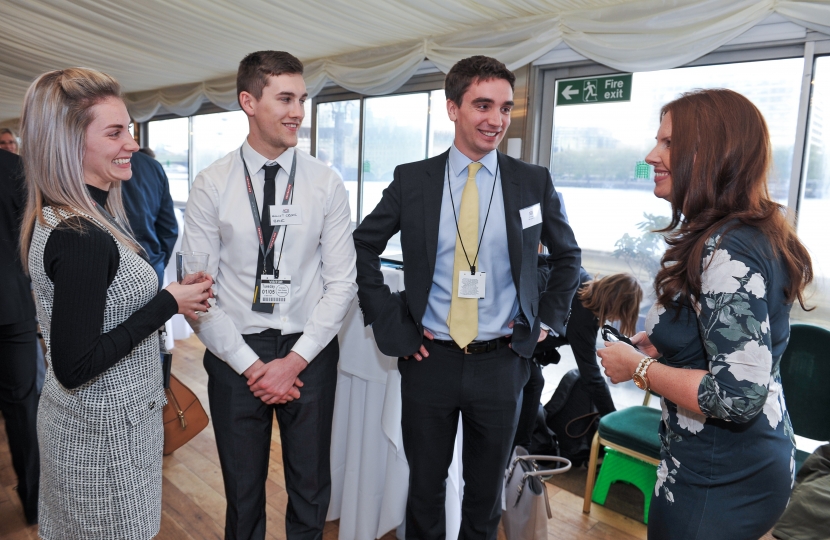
<point>269,198</point>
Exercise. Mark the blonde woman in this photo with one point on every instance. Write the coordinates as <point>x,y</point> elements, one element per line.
<point>100,413</point>
<point>611,299</point>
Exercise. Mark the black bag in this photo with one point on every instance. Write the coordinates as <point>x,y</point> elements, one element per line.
<point>572,416</point>
<point>543,440</point>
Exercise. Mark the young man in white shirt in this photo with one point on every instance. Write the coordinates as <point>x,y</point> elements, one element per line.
<point>282,293</point>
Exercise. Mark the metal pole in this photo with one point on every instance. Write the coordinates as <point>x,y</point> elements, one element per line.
<point>801,135</point>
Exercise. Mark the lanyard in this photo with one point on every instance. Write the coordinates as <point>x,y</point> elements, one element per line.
<point>487,217</point>
<point>289,197</point>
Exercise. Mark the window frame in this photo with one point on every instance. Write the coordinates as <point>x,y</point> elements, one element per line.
<point>418,84</point>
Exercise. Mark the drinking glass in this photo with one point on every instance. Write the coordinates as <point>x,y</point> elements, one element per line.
<point>190,266</point>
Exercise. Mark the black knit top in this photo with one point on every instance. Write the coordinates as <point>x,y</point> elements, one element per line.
<point>82,265</point>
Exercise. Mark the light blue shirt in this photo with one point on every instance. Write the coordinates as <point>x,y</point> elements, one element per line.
<point>501,303</point>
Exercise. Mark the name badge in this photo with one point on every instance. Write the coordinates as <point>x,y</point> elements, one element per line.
<point>532,215</point>
<point>471,286</point>
<point>286,214</point>
<point>275,290</point>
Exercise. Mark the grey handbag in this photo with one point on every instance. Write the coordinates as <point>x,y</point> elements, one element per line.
<point>526,508</point>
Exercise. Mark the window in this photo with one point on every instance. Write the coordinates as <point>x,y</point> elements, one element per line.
<point>338,143</point>
<point>814,203</point>
<point>214,135</point>
<point>170,140</point>
<point>395,129</point>
<point>596,149</point>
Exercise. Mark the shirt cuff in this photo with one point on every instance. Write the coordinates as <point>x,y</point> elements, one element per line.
<point>242,359</point>
<point>548,329</point>
<point>307,348</point>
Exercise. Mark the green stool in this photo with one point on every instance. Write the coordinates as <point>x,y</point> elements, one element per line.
<point>619,467</point>
<point>633,447</point>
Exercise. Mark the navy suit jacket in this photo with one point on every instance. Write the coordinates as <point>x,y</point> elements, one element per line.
<point>16,303</point>
<point>412,205</point>
<point>150,212</point>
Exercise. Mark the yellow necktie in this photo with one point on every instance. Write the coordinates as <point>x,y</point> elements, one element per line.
<point>463,317</point>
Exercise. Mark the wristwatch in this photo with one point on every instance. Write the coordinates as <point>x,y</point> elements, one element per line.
<point>641,373</point>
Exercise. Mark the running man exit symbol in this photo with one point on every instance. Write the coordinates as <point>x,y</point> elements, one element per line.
<point>589,90</point>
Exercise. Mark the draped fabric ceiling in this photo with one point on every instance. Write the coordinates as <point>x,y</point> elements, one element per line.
<point>172,55</point>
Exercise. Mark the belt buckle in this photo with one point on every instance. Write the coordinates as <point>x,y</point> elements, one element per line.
<point>465,349</point>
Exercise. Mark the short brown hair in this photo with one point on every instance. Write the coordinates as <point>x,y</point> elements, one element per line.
<point>472,69</point>
<point>614,298</point>
<point>255,69</point>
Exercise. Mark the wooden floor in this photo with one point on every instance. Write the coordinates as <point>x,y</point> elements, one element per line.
<point>193,504</point>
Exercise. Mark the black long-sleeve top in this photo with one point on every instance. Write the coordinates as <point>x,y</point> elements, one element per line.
<point>82,266</point>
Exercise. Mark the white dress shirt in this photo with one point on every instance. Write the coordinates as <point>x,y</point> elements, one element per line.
<point>318,255</point>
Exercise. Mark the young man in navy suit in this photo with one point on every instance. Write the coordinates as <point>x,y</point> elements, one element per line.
<point>471,220</point>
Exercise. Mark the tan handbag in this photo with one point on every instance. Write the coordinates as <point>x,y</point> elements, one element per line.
<point>184,416</point>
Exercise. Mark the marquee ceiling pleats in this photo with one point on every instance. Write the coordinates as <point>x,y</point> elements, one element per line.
<point>171,56</point>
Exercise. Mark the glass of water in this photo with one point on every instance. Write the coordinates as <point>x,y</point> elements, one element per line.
<point>190,266</point>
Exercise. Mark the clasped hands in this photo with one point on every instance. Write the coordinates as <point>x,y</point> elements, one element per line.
<point>620,360</point>
<point>276,382</point>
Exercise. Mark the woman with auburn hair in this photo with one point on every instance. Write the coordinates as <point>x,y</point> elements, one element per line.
<point>100,414</point>
<point>610,299</point>
<point>733,269</point>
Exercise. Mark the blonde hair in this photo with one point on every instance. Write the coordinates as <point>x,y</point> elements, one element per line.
<point>614,298</point>
<point>56,114</point>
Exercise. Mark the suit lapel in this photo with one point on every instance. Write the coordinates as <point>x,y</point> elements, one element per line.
<point>433,195</point>
<point>512,194</point>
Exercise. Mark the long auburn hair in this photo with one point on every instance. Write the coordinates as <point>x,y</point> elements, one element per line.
<point>720,157</point>
<point>56,114</point>
<point>614,298</point>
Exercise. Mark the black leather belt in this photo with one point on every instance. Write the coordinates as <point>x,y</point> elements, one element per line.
<point>476,347</point>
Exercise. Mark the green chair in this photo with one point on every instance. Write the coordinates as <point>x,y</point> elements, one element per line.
<point>632,447</point>
<point>805,376</point>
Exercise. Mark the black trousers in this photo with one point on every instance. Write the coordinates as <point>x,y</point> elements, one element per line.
<point>18,403</point>
<point>531,398</point>
<point>242,423</point>
<point>486,389</point>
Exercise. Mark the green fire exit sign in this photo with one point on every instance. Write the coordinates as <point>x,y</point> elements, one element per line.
<point>594,90</point>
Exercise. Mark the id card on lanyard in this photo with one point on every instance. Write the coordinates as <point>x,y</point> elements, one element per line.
<point>259,303</point>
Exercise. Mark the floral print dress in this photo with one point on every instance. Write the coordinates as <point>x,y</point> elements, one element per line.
<point>726,473</point>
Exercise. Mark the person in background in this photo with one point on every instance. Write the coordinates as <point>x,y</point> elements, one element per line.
<point>100,416</point>
<point>733,268</point>
<point>476,215</point>
<point>610,299</point>
<point>8,141</point>
<point>18,340</point>
<point>149,208</point>
<point>273,355</point>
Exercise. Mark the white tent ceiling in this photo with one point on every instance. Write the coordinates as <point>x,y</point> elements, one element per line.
<point>171,55</point>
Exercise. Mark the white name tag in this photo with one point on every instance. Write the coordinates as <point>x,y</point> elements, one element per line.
<point>532,215</point>
<point>275,290</point>
<point>287,214</point>
<point>471,286</point>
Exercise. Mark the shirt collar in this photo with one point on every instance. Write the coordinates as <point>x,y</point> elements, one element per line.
<point>255,161</point>
<point>459,162</point>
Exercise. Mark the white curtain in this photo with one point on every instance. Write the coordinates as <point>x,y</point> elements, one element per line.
<point>641,35</point>
<point>155,45</point>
